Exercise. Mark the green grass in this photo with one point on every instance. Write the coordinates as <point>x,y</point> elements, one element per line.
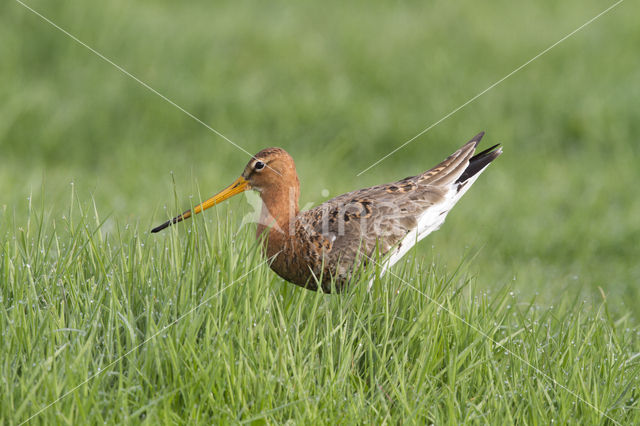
<point>522,309</point>
<point>193,327</point>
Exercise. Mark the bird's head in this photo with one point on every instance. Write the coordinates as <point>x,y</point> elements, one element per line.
<point>271,172</point>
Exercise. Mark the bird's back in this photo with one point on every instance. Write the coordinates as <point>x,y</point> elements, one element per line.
<point>382,220</point>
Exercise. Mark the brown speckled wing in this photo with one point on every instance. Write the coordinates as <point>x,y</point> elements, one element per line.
<point>380,216</point>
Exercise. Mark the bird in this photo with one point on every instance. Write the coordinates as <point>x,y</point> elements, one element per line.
<point>321,248</point>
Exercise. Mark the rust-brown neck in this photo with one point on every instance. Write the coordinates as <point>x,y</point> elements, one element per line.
<point>279,210</point>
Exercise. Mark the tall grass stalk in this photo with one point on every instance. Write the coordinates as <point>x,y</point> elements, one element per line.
<point>192,327</point>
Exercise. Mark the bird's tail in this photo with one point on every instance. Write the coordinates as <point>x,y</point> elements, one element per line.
<point>479,161</point>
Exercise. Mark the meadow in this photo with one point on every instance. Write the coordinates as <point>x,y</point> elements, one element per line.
<point>523,308</point>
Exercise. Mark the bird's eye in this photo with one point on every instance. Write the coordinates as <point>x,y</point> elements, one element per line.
<point>259,165</point>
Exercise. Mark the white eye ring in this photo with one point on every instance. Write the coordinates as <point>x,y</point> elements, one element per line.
<point>259,165</point>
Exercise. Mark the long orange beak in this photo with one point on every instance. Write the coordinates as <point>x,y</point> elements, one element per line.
<point>240,185</point>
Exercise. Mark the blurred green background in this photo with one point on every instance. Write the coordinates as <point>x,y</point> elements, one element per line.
<point>338,85</point>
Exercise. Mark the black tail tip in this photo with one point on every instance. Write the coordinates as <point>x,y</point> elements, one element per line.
<point>478,162</point>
